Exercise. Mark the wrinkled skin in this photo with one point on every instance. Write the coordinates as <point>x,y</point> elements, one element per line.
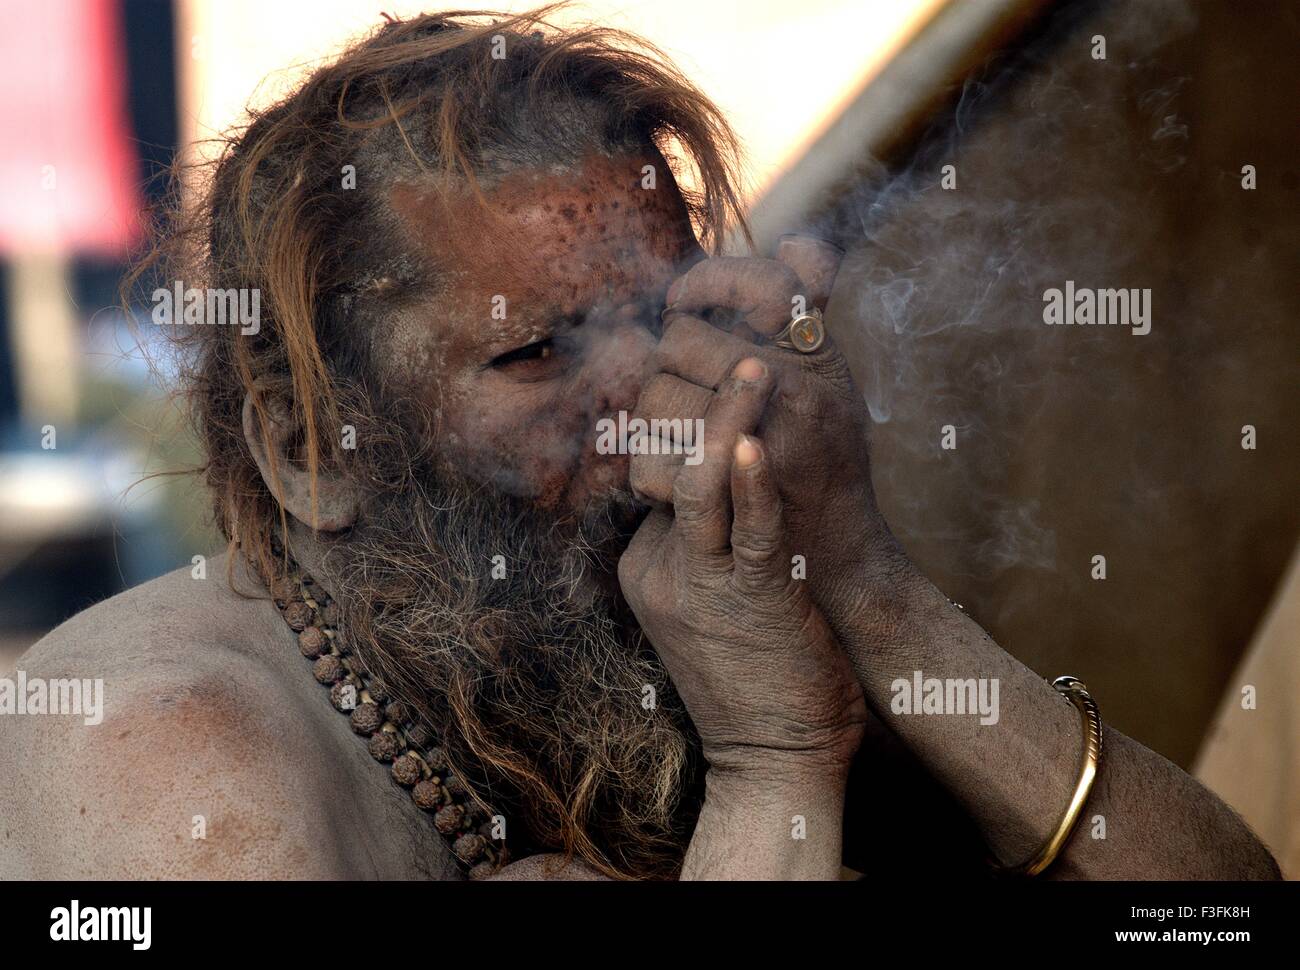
<point>749,652</point>
<point>816,425</point>
<point>891,621</point>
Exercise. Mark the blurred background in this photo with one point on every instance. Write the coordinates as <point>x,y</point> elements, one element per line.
<point>1114,164</point>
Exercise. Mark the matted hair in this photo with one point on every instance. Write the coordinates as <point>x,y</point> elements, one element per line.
<point>271,212</point>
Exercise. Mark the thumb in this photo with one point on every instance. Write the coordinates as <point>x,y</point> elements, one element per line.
<point>757,534</point>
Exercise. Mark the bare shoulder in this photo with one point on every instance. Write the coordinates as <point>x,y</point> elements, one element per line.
<point>187,752</point>
<point>176,619</point>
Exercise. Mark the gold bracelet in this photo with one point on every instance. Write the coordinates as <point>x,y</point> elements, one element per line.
<point>1077,692</point>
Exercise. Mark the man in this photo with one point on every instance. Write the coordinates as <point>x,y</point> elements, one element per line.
<point>571,663</point>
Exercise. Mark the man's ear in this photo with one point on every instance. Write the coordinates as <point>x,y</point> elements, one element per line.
<point>337,500</point>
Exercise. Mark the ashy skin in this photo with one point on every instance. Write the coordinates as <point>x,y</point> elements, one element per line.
<point>770,691</point>
<point>577,261</point>
<point>1013,778</point>
<point>211,712</point>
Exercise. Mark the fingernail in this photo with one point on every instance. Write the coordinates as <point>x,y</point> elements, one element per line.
<point>747,451</point>
<point>674,291</point>
<point>750,369</point>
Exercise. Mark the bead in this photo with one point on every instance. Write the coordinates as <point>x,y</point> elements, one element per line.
<point>385,745</point>
<point>419,736</point>
<point>406,770</point>
<point>448,819</point>
<point>367,719</point>
<point>297,615</point>
<point>327,669</point>
<point>427,794</point>
<point>312,642</point>
<point>469,848</point>
<point>467,825</point>
<point>346,694</point>
<point>397,712</point>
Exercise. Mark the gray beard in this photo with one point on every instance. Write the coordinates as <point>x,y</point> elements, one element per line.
<point>504,630</point>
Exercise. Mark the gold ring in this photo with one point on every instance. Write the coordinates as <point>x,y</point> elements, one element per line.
<point>805,333</point>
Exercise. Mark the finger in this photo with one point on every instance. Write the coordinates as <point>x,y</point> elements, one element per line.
<point>699,352</point>
<point>701,494</point>
<point>761,290</point>
<point>647,548</point>
<point>816,261</point>
<point>757,534</point>
<point>668,405</point>
<point>695,351</point>
<point>651,477</point>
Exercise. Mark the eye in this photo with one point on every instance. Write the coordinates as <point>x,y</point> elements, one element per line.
<point>536,351</point>
<point>542,356</point>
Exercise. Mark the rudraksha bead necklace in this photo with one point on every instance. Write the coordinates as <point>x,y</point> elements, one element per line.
<point>416,763</point>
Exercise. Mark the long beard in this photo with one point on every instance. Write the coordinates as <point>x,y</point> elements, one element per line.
<point>504,631</point>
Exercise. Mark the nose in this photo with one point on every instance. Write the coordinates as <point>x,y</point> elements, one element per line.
<point>618,362</point>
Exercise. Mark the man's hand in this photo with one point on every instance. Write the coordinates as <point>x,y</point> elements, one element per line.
<point>767,686</point>
<point>815,426</point>
<point>1012,777</point>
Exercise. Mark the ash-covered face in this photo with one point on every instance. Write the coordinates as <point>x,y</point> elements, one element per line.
<point>547,322</point>
<point>533,677</point>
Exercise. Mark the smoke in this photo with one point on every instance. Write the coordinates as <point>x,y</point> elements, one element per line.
<point>1039,174</point>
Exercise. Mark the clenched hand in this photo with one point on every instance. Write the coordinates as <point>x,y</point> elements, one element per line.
<point>767,686</point>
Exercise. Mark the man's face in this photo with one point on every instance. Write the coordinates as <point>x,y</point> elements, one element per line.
<point>547,323</point>
<point>534,679</point>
